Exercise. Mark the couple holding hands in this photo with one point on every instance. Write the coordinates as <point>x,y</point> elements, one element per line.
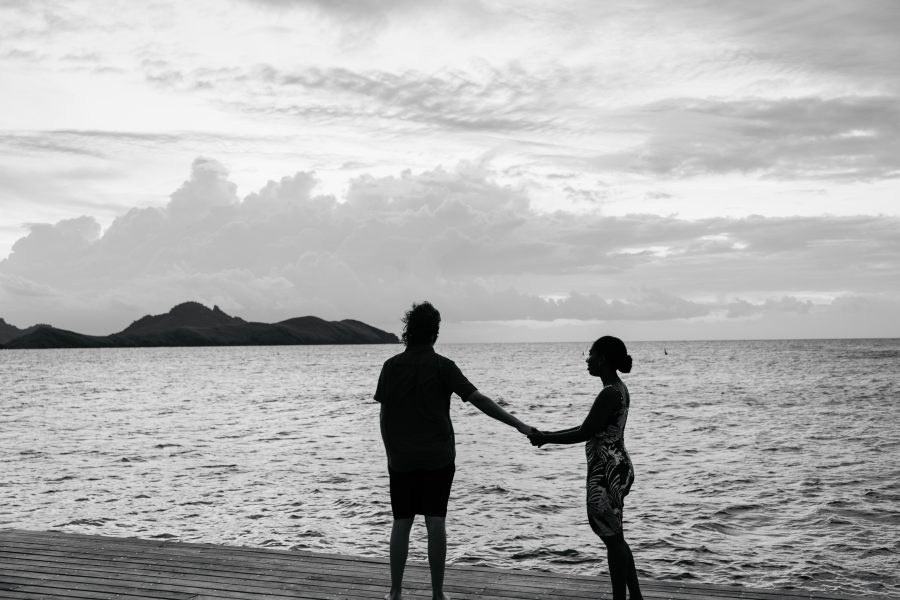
<point>414,390</point>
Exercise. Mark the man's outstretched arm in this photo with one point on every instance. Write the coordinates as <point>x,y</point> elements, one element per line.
<point>494,410</point>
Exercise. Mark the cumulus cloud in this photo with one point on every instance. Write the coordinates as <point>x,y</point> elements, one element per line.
<point>50,246</point>
<point>457,237</point>
<point>207,189</point>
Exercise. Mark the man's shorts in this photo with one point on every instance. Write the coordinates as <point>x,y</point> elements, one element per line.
<point>421,492</point>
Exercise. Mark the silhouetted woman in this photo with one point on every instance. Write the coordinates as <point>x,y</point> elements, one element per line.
<point>610,473</point>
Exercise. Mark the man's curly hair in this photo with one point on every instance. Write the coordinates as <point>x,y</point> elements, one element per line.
<point>421,324</point>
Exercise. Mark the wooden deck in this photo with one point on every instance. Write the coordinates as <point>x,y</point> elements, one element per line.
<point>41,564</point>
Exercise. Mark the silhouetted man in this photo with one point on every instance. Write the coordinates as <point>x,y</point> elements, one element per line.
<point>414,390</point>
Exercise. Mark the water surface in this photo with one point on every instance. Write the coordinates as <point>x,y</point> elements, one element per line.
<point>769,464</point>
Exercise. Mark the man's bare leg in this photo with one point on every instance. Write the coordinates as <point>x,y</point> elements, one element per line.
<point>437,554</point>
<point>399,550</point>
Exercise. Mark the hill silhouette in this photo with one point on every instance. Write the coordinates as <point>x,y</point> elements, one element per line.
<point>193,324</point>
<point>9,332</point>
<point>186,314</point>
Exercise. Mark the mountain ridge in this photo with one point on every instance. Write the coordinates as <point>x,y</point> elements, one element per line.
<point>9,332</point>
<point>194,324</point>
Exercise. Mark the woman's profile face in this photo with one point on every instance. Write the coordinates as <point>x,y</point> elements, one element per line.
<point>593,362</point>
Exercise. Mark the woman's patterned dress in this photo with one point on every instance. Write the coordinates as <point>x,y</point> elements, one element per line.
<point>610,473</point>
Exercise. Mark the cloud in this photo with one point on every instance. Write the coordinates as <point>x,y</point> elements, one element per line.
<point>30,56</point>
<point>24,290</point>
<point>850,39</point>
<point>857,40</point>
<point>206,190</point>
<point>101,149</point>
<point>377,14</point>
<point>787,304</point>
<point>50,246</point>
<point>486,99</point>
<point>848,138</point>
<point>474,246</point>
<point>362,8</point>
<point>760,97</point>
<point>816,137</point>
<point>44,143</point>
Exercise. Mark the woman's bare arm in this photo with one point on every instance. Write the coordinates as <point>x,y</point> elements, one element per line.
<point>593,423</point>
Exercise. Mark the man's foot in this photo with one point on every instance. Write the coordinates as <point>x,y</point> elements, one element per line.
<point>441,597</point>
<point>392,596</point>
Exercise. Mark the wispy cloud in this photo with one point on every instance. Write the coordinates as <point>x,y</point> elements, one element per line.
<point>854,138</point>
<point>489,101</point>
<point>854,40</point>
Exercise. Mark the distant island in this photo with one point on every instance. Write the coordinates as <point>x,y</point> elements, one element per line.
<point>193,324</point>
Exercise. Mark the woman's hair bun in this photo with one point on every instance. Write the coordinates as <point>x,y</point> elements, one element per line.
<point>625,364</point>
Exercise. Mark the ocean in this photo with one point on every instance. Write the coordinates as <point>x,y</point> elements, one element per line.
<point>772,464</point>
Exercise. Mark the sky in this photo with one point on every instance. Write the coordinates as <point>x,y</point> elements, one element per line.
<point>540,171</point>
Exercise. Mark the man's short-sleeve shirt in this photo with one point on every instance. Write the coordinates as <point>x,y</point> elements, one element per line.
<point>414,390</point>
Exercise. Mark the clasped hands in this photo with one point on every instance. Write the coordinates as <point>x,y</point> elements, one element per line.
<point>535,436</point>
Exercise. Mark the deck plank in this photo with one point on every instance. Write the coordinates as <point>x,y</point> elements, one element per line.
<point>53,564</point>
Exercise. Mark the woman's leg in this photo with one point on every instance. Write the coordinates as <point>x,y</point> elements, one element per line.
<point>616,568</point>
<point>634,588</point>
<point>622,572</point>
